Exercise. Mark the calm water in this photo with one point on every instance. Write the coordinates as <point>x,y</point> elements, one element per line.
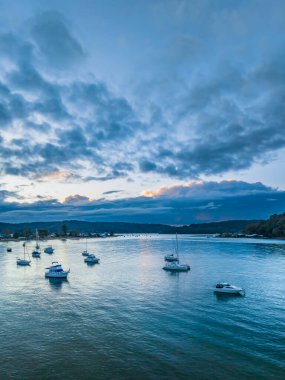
<point>128,319</point>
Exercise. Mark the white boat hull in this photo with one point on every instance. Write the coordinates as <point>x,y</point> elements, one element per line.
<point>226,288</point>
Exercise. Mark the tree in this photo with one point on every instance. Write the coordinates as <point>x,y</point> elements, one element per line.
<point>74,233</point>
<point>43,232</point>
<point>64,229</point>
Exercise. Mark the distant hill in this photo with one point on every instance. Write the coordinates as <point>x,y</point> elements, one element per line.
<point>230,226</point>
<point>273,227</point>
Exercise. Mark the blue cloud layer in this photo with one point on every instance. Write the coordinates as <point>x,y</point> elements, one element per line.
<point>185,204</point>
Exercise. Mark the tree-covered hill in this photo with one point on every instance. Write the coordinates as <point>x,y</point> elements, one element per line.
<point>62,227</point>
<point>273,227</point>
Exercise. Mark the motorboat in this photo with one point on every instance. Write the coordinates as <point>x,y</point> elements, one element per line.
<point>37,251</point>
<point>176,267</point>
<point>171,257</point>
<point>224,287</point>
<point>49,250</point>
<point>24,261</point>
<point>91,259</point>
<point>56,271</point>
<point>9,249</point>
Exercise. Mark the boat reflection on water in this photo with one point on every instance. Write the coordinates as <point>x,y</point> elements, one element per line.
<point>90,263</point>
<point>56,283</point>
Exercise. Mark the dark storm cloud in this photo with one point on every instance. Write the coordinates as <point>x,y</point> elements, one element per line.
<point>76,199</point>
<point>91,119</point>
<point>221,119</point>
<point>56,43</point>
<point>197,202</point>
<point>12,106</point>
<point>13,47</point>
<point>112,192</point>
<point>237,118</point>
<point>5,194</point>
<point>115,117</point>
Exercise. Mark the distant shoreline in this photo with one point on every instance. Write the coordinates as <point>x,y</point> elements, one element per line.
<point>220,236</point>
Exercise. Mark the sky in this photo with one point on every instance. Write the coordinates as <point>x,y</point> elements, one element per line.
<point>165,111</point>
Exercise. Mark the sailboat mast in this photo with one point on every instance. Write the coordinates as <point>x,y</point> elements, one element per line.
<point>177,253</point>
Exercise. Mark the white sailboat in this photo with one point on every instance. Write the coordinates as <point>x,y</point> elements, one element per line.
<point>90,258</point>
<point>24,261</point>
<point>85,253</point>
<point>37,251</point>
<point>174,265</point>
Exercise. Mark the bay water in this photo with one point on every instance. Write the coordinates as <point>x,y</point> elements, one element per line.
<point>126,318</point>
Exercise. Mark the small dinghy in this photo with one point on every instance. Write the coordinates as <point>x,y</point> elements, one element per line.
<point>36,253</point>
<point>49,250</point>
<point>171,258</point>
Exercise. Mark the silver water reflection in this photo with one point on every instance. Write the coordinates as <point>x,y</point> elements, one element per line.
<point>127,319</point>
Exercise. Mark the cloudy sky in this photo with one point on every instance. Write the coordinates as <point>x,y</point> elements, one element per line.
<point>151,111</point>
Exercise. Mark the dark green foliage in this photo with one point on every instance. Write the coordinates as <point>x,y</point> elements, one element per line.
<point>273,227</point>
<point>43,232</point>
<point>64,230</point>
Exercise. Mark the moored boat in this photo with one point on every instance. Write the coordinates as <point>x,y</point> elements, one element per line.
<point>49,249</point>
<point>176,267</point>
<point>37,251</point>
<point>173,264</point>
<point>24,261</point>
<point>225,287</point>
<point>171,257</point>
<point>56,271</point>
<point>91,259</point>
